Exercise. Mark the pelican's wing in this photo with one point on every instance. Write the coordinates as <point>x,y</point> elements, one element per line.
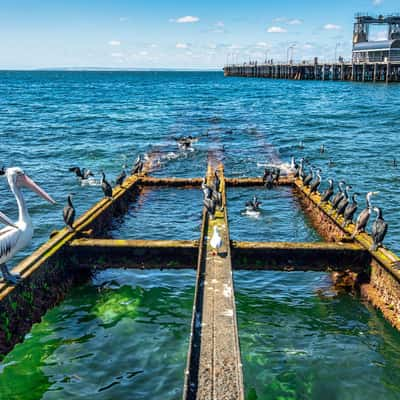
<point>8,239</point>
<point>5,220</point>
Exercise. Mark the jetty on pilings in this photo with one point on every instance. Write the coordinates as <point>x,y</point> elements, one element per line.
<point>213,367</point>
<point>385,72</point>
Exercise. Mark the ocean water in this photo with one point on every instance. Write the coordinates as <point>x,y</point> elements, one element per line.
<point>125,333</point>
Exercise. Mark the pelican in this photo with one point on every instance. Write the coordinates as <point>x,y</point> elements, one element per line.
<point>106,187</point>
<point>364,215</point>
<point>69,213</point>
<point>19,234</point>
<point>328,192</point>
<point>379,229</point>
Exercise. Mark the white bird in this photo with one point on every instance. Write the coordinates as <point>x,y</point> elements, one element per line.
<point>17,236</point>
<point>216,240</point>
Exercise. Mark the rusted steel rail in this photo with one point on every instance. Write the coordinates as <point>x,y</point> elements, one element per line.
<point>145,254</point>
<point>178,254</point>
<point>214,369</point>
<point>383,288</point>
<point>196,182</point>
<point>300,256</point>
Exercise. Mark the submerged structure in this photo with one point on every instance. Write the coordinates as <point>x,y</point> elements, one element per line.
<point>372,61</point>
<point>214,368</point>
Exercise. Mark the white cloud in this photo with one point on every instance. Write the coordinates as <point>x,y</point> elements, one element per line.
<point>332,27</point>
<point>188,19</point>
<point>117,55</point>
<point>182,46</point>
<point>153,45</point>
<point>143,53</point>
<point>123,19</point>
<point>295,21</point>
<point>377,2</point>
<point>276,29</point>
<point>308,46</point>
<point>262,44</point>
<point>212,46</point>
<point>114,43</point>
<point>220,24</point>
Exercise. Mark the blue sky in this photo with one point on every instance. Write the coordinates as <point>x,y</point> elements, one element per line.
<point>175,34</point>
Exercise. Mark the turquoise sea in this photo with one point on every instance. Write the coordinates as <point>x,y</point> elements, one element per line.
<point>124,335</point>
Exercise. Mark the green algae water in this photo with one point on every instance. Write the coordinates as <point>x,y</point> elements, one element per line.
<point>125,334</point>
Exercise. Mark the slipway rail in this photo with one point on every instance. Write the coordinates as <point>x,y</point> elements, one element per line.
<point>213,369</point>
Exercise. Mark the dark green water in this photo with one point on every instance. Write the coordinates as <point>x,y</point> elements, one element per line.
<point>124,336</point>
<point>299,340</point>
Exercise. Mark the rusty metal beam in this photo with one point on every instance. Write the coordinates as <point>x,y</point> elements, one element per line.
<point>196,182</point>
<point>288,256</point>
<point>214,369</point>
<point>144,254</point>
<point>178,254</point>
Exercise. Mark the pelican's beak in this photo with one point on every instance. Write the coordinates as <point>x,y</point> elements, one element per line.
<point>29,183</point>
<point>6,221</point>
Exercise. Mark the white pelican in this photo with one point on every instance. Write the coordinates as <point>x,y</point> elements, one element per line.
<point>17,236</point>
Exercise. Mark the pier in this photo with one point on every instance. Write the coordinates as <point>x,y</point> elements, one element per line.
<point>371,61</point>
<point>214,369</point>
<point>357,72</point>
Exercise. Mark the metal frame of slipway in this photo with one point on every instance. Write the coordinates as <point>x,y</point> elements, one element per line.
<point>214,369</point>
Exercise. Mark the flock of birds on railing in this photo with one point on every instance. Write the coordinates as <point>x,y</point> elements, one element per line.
<point>84,175</point>
<point>16,235</point>
<point>342,205</point>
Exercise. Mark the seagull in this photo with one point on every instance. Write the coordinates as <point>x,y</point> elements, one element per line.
<point>107,189</point>
<point>18,235</point>
<point>69,213</point>
<point>216,240</point>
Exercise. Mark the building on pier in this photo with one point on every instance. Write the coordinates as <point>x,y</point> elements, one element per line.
<point>369,51</point>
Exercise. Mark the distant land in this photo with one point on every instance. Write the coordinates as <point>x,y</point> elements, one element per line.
<point>114,69</point>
